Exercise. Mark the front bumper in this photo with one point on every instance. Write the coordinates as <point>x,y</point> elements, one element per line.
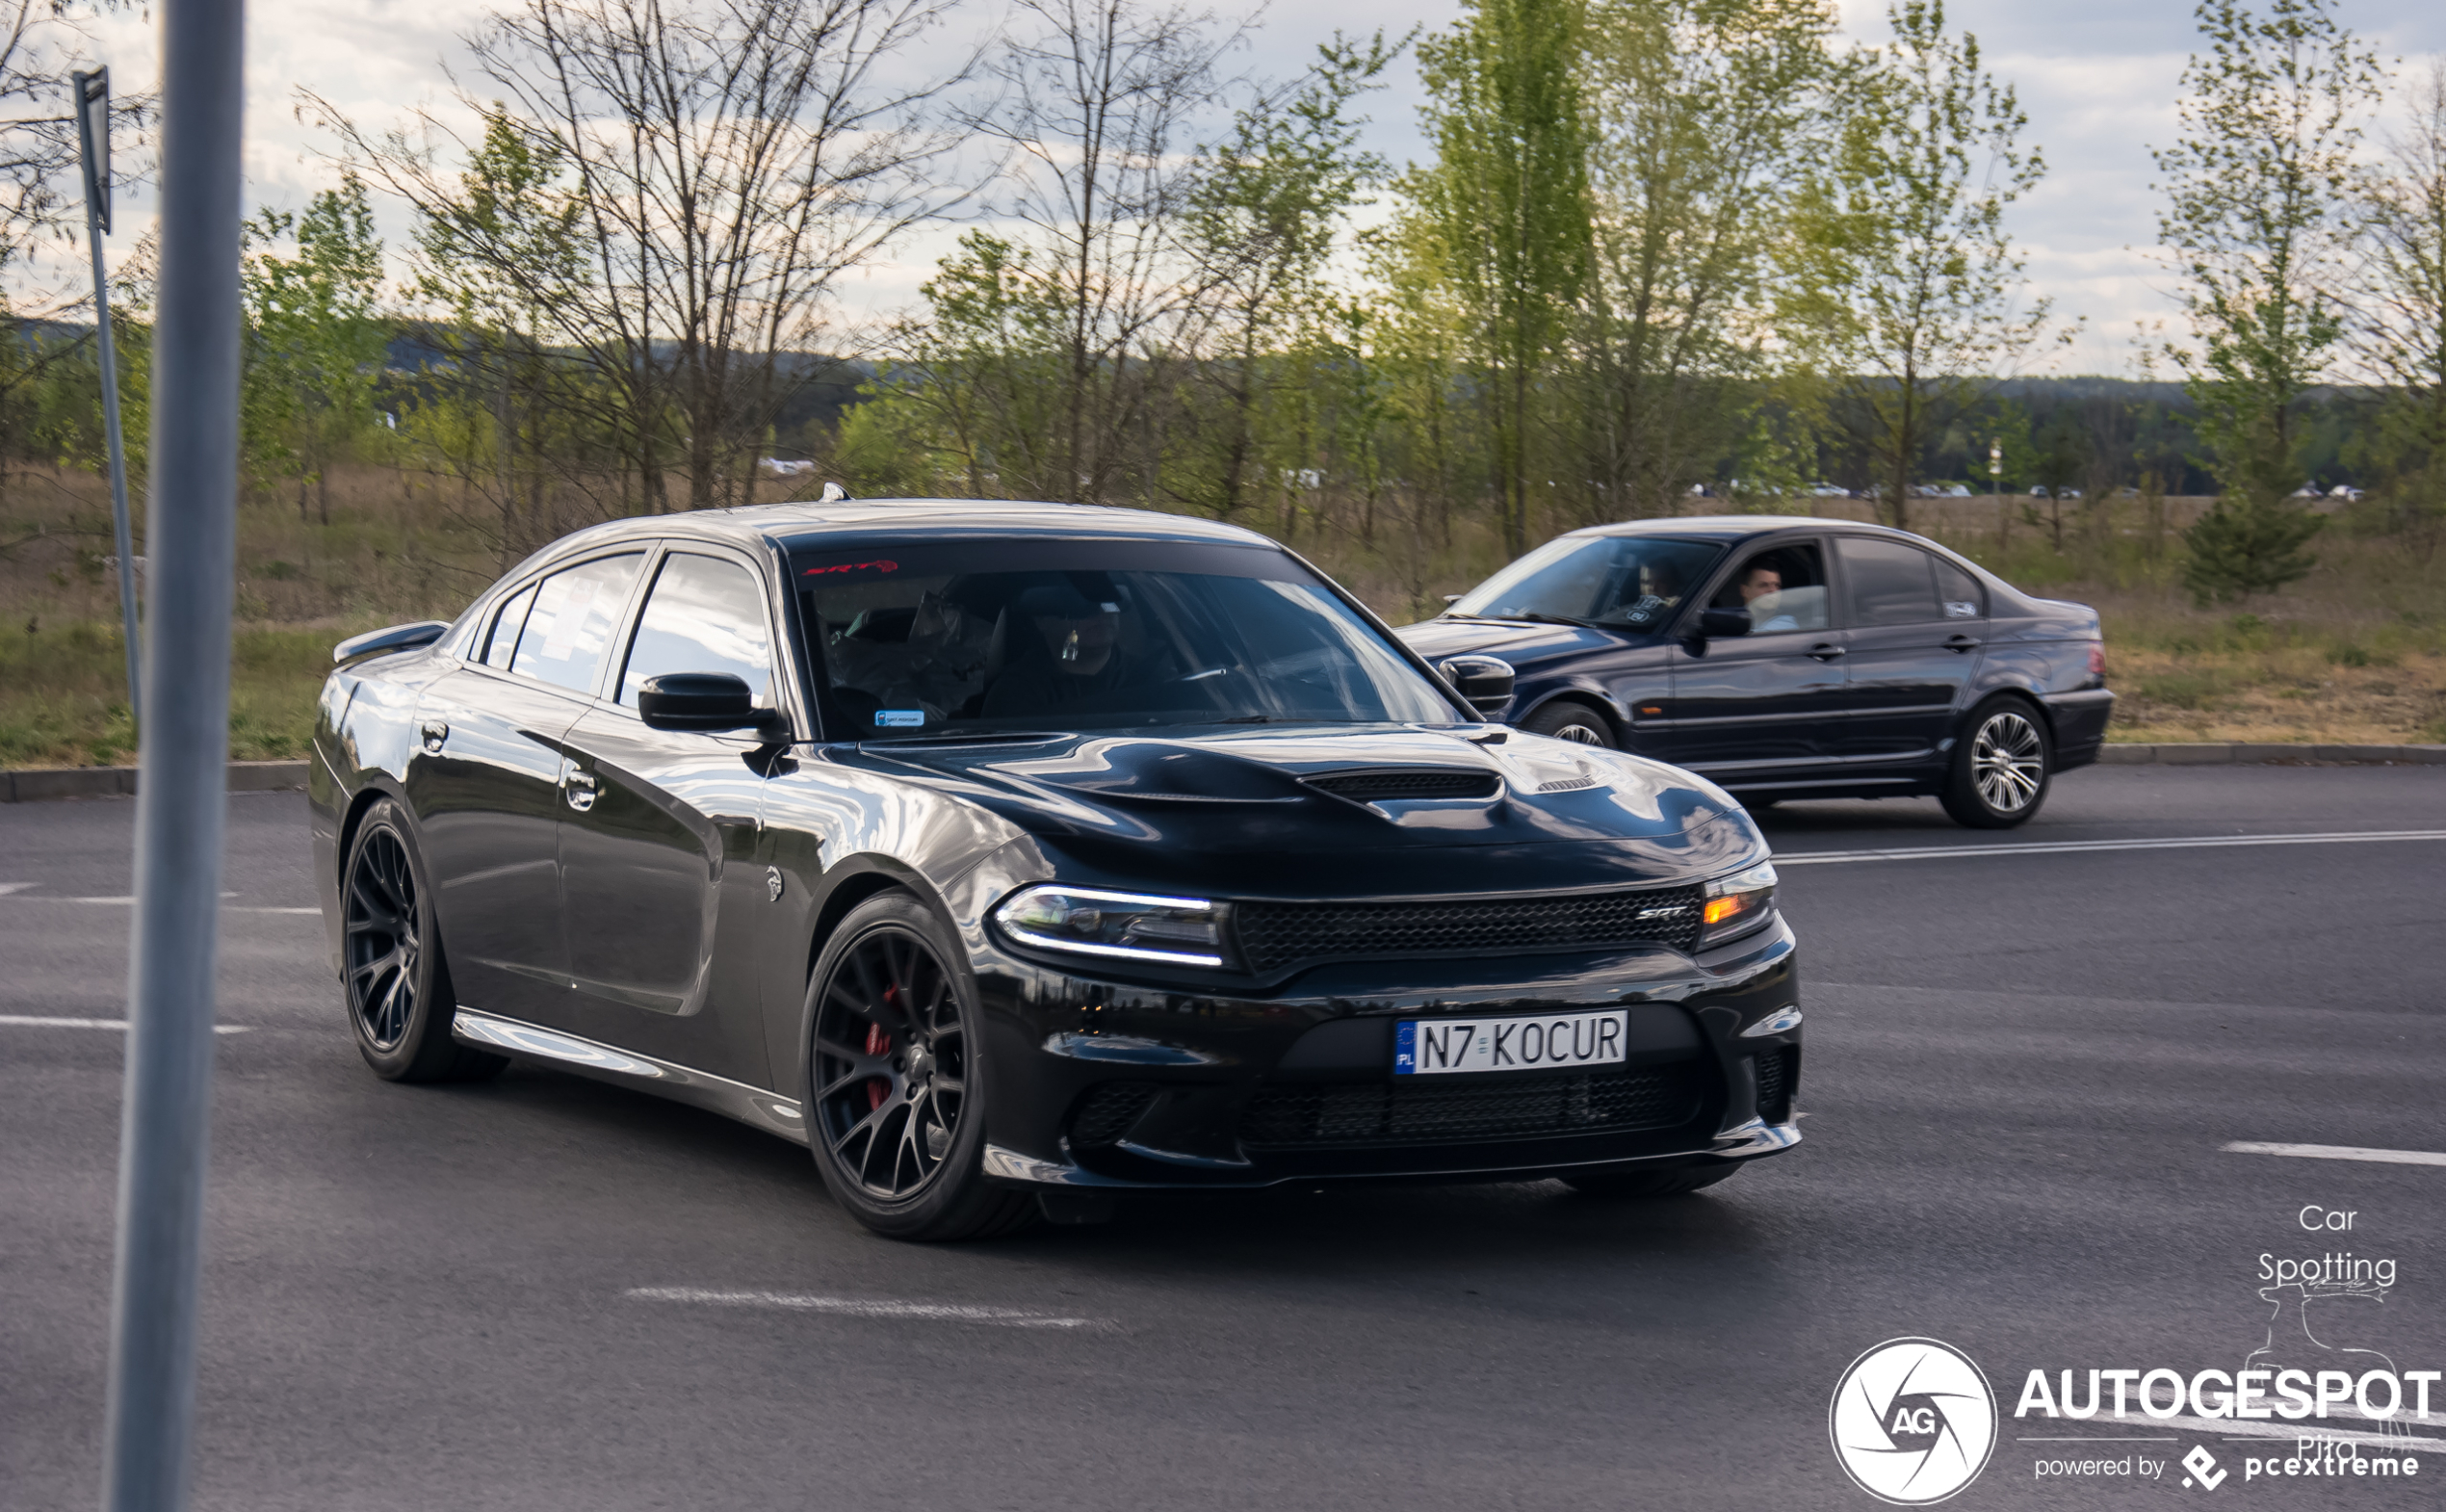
<point>1112,1083</point>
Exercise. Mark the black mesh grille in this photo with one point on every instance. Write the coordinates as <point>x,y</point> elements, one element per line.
<point>1777,1074</point>
<point>1106,1113</point>
<point>1367,787</point>
<point>1406,1113</point>
<point>1277,934</point>
<point>1567,785</point>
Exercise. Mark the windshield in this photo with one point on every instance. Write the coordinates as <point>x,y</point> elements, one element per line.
<point>995,634</point>
<point>1633,581</point>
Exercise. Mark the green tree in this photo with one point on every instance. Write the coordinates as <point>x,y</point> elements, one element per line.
<point>1264,221</point>
<point>1500,221</point>
<point>2400,339</point>
<point>1706,112</point>
<point>2258,217</point>
<point>1908,281</point>
<point>316,337</point>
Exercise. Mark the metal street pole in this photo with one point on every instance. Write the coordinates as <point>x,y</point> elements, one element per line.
<point>182,793</point>
<point>93,150</point>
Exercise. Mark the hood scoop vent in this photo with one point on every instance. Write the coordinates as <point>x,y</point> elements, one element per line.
<point>1430,782</point>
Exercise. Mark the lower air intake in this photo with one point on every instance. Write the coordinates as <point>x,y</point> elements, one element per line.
<point>1106,1113</point>
<point>1377,1112</point>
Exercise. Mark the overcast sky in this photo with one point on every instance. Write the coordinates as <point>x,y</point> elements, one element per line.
<point>2096,77</point>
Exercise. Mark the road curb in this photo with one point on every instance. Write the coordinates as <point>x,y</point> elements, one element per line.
<point>102,782</point>
<point>2249,753</point>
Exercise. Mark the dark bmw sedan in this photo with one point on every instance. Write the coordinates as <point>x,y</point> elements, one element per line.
<point>1793,658</point>
<point>1012,856</point>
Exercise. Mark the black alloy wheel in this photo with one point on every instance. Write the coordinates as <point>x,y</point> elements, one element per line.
<point>895,1113</point>
<point>1569,719</point>
<point>2002,763</point>
<point>392,969</point>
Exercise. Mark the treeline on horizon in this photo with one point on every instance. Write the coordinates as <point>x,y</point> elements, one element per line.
<point>1657,249</point>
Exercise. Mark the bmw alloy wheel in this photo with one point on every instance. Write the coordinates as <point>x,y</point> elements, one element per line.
<point>2008,761</point>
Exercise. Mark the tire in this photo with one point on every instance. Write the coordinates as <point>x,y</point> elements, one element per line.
<point>1570,720</point>
<point>895,1111</point>
<point>394,977</point>
<point>1638,1181</point>
<point>2003,762</point>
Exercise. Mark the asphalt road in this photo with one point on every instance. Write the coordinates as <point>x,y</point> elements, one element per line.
<point>2022,1068</point>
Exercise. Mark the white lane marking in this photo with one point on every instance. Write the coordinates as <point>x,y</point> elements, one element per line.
<point>2068,846</point>
<point>2308,1428</point>
<point>2335,1152</point>
<point>37,1020</point>
<point>6,888</point>
<point>864,1307</point>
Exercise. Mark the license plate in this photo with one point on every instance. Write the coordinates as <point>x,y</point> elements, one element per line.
<point>1437,1047</point>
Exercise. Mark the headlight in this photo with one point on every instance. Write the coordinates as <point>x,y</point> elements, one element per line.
<point>1737,904</point>
<point>1135,926</point>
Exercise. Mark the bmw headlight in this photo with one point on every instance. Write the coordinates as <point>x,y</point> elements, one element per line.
<point>1737,904</point>
<point>1135,927</point>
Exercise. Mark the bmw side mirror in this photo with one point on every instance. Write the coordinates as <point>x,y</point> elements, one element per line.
<point>1483,682</point>
<point>706,702</point>
<point>1716,624</point>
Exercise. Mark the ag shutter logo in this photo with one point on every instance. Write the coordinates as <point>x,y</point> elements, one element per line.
<point>1912,1421</point>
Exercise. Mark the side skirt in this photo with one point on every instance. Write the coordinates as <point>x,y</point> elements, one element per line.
<point>754,1107</point>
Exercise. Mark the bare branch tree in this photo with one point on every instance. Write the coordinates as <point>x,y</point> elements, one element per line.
<point>719,169</point>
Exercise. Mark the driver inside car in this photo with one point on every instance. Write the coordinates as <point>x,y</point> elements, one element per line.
<point>1065,648</point>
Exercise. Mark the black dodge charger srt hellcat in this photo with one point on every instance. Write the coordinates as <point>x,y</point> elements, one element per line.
<point>1014,856</point>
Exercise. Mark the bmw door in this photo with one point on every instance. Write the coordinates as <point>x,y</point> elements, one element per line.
<point>1755,708</point>
<point>1916,624</point>
<point>487,785</point>
<point>661,876</point>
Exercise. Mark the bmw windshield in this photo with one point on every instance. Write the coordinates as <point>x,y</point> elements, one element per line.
<point>1625,581</point>
<point>933,637</point>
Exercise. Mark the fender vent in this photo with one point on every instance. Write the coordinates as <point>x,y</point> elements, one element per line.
<point>1374,787</point>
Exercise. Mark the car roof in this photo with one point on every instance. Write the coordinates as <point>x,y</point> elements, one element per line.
<point>1737,527</point>
<point>816,522</point>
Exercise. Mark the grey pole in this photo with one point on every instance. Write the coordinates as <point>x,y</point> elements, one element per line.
<point>93,122</point>
<point>192,541</point>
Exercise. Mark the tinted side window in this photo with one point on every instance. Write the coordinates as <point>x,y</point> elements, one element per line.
<point>1887,583</point>
<point>704,615</point>
<point>572,623</point>
<point>1963,596</point>
<point>1784,588</point>
<point>505,631</point>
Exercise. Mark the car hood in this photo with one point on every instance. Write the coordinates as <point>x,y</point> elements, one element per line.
<point>1515,642</point>
<point>1241,808</point>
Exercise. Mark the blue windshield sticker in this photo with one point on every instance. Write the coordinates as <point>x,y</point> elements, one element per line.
<point>899,718</point>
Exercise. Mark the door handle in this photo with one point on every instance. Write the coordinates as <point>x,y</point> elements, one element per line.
<point>436,733</point>
<point>578,787</point>
<point>1826,651</point>
<point>1963,643</point>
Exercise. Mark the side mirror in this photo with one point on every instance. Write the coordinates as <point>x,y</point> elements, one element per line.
<point>1450,599</point>
<point>1717,624</point>
<point>702,701</point>
<point>1483,682</point>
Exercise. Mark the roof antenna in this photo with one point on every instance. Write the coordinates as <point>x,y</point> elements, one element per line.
<point>833,493</point>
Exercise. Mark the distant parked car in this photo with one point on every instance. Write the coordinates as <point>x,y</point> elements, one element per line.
<point>1826,491</point>
<point>1793,658</point>
<point>2345,492</point>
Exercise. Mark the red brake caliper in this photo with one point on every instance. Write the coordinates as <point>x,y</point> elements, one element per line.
<point>878,1043</point>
